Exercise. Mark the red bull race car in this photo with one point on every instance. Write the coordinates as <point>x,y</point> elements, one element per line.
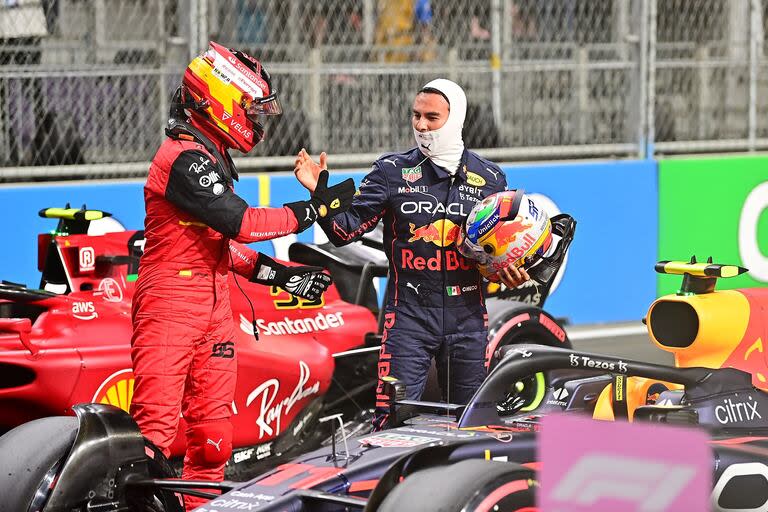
<point>67,341</point>
<point>486,449</point>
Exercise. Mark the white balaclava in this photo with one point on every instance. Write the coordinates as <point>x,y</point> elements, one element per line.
<point>445,145</point>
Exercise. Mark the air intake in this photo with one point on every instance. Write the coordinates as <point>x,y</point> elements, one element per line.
<point>674,324</point>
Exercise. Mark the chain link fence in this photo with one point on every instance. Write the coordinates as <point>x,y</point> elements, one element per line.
<point>85,83</point>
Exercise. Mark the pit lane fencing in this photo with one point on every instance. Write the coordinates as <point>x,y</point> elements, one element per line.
<point>86,84</point>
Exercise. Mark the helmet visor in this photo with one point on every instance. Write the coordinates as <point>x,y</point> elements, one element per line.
<point>267,106</point>
<point>476,253</point>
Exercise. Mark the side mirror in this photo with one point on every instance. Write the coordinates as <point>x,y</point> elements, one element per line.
<point>22,327</point>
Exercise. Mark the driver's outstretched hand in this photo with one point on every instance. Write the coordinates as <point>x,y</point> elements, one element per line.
<point>512,277</point>
<point>307,171</point>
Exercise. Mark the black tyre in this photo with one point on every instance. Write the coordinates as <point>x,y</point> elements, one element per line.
<point>30,457</point>
<point>150,500</point>
<point>467,486</point>
<point>521,325</point>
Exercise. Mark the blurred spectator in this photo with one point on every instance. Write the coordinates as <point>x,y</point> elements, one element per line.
<point>251,22</point>
<point>335,22</point>
<point>523,20</point>
<point>56,142</point>
<point>22,25</point>
<point>477,31</point>
<point>406,24</point>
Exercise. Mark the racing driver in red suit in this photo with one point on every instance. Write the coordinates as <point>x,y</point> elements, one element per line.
<point>183,345</point>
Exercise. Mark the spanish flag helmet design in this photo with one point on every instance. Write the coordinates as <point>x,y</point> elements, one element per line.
<point>228,89</point>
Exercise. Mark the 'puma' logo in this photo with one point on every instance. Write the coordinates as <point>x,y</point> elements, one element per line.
<point>218,448</point>
<point>415,287</point>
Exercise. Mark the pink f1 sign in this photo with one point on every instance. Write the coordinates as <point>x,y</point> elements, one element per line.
<point>590,465</point>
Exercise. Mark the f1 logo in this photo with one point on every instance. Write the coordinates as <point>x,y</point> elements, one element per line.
<point>651,485</point>
<point>590,465</point>
<point>87,259</point>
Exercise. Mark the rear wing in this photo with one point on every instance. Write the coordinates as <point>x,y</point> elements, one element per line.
<point>72,260</point>
<point>73,221</point>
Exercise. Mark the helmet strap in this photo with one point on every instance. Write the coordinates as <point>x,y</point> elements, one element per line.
<point>511,213</point>
<point>180,101</point>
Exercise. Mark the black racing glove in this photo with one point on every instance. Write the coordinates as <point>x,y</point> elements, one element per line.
<point>325,200</point>
<point>303,281</point>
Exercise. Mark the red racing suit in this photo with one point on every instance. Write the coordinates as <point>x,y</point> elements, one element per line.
<point>183,346</point>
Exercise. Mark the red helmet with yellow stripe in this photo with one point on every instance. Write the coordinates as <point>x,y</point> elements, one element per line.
<point>230,89</point>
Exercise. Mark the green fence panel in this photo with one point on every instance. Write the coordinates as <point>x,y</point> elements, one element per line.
<point>715,207</point>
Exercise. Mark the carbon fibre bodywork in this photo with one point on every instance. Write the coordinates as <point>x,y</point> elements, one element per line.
<point>364,470</point>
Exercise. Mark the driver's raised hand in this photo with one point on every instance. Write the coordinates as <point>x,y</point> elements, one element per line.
<point>325,200</point>
<point>307,171</point>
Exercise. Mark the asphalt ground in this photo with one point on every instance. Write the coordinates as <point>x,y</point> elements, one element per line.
<point>626,340</point>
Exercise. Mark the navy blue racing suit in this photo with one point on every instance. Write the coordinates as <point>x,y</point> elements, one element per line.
<point>435,305</point>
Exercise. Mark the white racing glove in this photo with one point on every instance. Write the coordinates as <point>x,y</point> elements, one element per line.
<point>302,281</point>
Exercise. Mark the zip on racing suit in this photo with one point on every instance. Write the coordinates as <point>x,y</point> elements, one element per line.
<point>183,345</point>
<point>435,305</point>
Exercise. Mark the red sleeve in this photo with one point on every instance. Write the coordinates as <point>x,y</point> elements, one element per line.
<point>266,223</point>
<point>242,259</point>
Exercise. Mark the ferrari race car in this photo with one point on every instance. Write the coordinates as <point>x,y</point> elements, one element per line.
<point>68,342</point>
<point>486,449</point>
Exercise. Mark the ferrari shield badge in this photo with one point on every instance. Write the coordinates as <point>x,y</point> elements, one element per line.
<point>412,174</point>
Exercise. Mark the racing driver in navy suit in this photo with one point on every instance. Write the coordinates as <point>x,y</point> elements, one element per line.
<point>435,305</point>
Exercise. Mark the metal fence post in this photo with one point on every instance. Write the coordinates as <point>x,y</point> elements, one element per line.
<point>651,80</point>
<point>198,26</point>
<point>496,62</point>
<point>739,54</point>
<point>369,27</point>
<point>97,37</point>
<point>314,96</point>
<point>581,56</point>
<point>642,80</point>
<point>202,42</point>
<point>452,63</point>
<point>194,27</point>
<point>162,64</point>
<point>755,37</point>
<point>704,77</point>
<point>294,17</point>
